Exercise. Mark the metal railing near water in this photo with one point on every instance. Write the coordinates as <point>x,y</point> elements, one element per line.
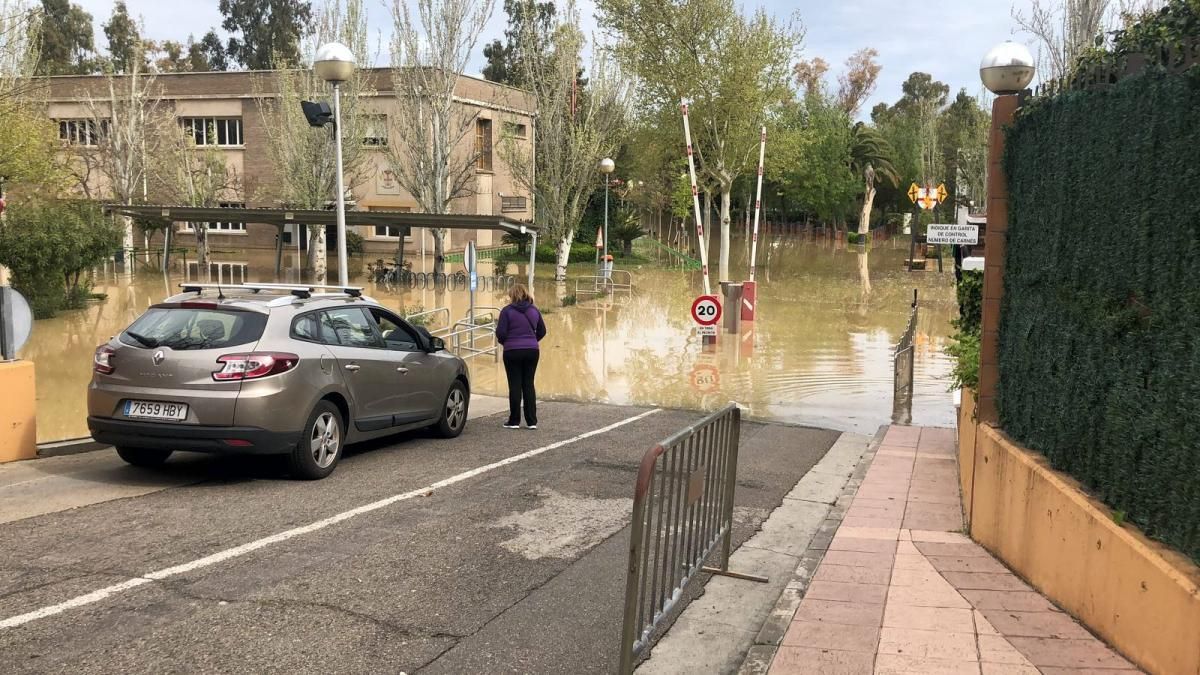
<point>682,512</point>
<point>617,281</point>
<point>902,367</point>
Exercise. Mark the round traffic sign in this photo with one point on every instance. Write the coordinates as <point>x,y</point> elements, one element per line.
<point>705,378</point>
<point>706,310</point>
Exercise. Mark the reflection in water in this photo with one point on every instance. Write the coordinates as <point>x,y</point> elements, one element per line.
<point>820,353</point>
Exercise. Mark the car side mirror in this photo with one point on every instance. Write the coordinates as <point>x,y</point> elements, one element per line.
<point>437,344</point>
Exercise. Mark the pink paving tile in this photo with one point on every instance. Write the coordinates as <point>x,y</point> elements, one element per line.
<point>902,436</point>
<point>852,575</point>
<point>1023,601</point>
<point>847,613</point>
<point>1008,669</point>
<point>886,533</point>
<point>925,576</point>
<point>840,637</point>
<point>908,561</point>
<point>877,503</point>
<point>917,509</point>
<point>808,661</point>
<point>922,596</point>
<point>963,550</point>
<point>1036,624</point>
<point>995,649</point>
<point>927,644</point>
<point>950,563</point>
<point>875,511</point>
<point>943,435</point>
<point>894,452</point>
<point>879,561</point>
<point>901,664</point>
<point>986,581</point>
<point>946,522</point>
<point>929,618</point>
<point>1051,652</point>
<point>924,498</point>
<point>940,537</point>
<point>860,544</point>
<point>873,594</point>
<point>982,625</point>
<point>859,521</point>
<point>1087,671</point>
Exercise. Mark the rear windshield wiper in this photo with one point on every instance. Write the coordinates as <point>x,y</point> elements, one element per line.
<point>145,341</point>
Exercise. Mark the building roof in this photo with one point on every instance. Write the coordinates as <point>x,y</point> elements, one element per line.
<point>278,216</point>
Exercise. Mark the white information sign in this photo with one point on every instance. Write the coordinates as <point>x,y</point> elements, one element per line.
<point>951,233</point>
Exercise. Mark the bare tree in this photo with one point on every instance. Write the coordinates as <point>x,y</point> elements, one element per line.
<point>429,53</point>
<point>191,175</point>
<point>20,31</point>
<point>1063,30</point>
<point>303,158</point>
<point>117,137</point>
<point>575,130</point>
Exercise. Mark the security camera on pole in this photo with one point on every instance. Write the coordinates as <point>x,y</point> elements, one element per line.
<point>335,64</point>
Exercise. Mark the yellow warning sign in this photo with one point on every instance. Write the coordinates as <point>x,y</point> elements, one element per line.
<point>913,193</point>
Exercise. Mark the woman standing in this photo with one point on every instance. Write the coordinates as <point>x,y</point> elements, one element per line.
<point>519,330</point>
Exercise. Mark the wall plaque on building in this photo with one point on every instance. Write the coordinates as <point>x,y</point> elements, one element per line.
<point>387,183</point>
<point>951,233</point>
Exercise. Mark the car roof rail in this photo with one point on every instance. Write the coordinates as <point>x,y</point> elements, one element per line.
<point>302,291</point>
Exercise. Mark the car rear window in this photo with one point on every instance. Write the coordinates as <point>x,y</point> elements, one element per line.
<point>192,328</point>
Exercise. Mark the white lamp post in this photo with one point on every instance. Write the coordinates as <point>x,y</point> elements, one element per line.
<point>335,65</point>
<point>607,166</point>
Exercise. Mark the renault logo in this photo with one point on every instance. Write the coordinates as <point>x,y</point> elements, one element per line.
<point>159,357</point>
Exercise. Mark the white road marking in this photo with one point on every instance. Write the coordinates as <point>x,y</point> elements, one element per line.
<point>230,553</point>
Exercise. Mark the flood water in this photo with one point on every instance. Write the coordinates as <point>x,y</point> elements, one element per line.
<point>820,352</point>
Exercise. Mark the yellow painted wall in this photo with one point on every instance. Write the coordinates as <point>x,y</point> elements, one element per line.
<point>967,425</point>
<point>1140,596</point>
<point>18,428</point>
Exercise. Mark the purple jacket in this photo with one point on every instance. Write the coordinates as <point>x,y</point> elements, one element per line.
<point>520,326</point>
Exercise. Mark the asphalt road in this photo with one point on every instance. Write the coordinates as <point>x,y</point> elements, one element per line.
<point>233,568</point>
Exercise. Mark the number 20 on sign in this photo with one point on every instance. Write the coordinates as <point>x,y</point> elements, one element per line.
<point>706,311</point>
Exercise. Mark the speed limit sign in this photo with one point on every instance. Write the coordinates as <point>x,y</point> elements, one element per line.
<point>706,310</point>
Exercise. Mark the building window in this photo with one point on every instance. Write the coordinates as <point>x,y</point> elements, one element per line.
<point>222,227</point>
<point>375,131</point>
<point>512,204</point>
<point>516,130</point>
<point>81,132</point>
<point>214,131</point>
<point>483,144</point>
<point>390,232</point>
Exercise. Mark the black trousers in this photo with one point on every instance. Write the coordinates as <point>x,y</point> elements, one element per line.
<point>520,365</point>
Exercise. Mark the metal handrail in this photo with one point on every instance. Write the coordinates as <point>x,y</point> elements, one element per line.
<point>439,310</point>
<point>903,368</point>
<point>464,327</point>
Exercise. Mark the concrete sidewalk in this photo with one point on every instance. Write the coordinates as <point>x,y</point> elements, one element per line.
<point>900,589</point>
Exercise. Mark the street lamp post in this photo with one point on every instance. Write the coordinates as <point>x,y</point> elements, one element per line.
<point>607,166</point>
<point>335,65</point>
<point>1005,70</point>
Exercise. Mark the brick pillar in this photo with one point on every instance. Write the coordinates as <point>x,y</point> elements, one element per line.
<point>995,240</point>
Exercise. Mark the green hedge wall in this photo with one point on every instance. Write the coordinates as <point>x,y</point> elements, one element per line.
<point>1100,323</point>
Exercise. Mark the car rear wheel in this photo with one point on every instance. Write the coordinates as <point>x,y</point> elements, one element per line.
<point>143,456</point>
<point>320,446</point>
<point>454,411</point>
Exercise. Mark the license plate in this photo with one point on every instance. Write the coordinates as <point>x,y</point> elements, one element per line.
<point>156,410</point>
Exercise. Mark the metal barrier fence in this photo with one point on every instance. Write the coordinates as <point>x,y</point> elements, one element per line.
<point>682,511</point>
<point>903,362</point>
<point>618,281</point>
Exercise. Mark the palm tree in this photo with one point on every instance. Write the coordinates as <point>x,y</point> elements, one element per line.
<point>871,157</point>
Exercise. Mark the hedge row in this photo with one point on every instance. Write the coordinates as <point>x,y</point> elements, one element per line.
<point>1100,324</point>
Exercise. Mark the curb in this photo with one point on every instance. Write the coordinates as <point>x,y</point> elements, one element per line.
<point>75,446</point>
<point>766,644</point>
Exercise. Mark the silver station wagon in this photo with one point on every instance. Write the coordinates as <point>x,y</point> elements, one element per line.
<point>271,369</point>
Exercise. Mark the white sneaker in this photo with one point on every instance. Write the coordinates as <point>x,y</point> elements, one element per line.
<point>532,426</point>
<point>512,426</point>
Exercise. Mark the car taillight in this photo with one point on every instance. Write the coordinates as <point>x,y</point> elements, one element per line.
<point>102,360</point>
<point>254,365</point>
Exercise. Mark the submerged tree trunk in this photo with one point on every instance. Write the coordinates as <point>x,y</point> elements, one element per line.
<point>864,218</point>
<point>439,250</point>
<point>201,230</point>
<point>563,255</point>
<point>278,252</point>
<point>708,209</point>
<point>726,197</point>
<point>400,254</point>
<point>317,255</point>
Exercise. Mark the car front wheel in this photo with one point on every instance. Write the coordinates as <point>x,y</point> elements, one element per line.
<point>320,446</point>
<point>454,411</point>
<point>143,456</point>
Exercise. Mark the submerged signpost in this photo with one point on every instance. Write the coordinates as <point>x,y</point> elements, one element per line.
<point>706,337</point>
<point>750,288</point>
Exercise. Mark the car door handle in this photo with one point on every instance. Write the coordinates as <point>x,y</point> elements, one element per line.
<point>353,368</point>
<point>402,370</point>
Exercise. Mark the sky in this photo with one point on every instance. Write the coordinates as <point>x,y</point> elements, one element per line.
<point>946,38</point>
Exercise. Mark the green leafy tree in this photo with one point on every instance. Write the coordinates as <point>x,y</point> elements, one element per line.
<point>733,68</point>
<point>813,152</point>
<point>266,33</point>
<point>67,42</point>
<point>208,54</point>
<point>530,22</point>
<point>124,41</point>
<point>963,128</point>
<point>50,246</point>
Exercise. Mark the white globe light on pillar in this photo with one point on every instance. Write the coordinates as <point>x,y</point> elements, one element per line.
<point>606,166</point>
<point>1007,68</point>
<point>335,64</point>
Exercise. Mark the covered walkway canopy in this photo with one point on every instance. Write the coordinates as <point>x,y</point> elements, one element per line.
<point>280,217</point>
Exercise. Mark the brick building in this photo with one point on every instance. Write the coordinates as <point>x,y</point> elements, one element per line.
<point>225,110</point>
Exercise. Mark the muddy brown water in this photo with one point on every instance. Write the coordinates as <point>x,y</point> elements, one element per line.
<point>820,352</point>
